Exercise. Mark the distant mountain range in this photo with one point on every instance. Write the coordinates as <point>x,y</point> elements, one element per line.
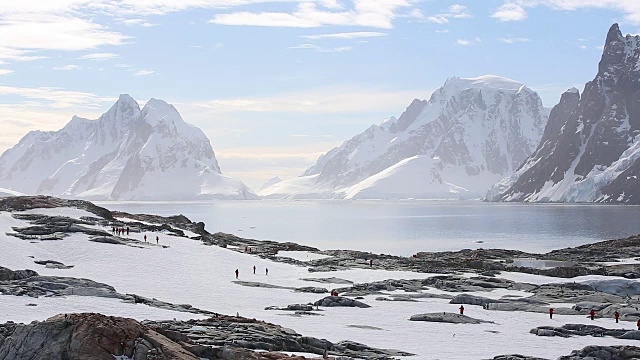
<point>469,135</point>
<point>590,150</point>
<point>127,154</point>
<point>486,137</point>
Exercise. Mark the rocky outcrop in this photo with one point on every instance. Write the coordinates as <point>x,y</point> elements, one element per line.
<point>445,317</point>
<point>569,330</point>
<point>604,353</point>
<point>88,336</point>
<point>588,353</point>
<point>10,275</point>
<point>22,203</point>
<point>97,337</point>
<point>341,301</point>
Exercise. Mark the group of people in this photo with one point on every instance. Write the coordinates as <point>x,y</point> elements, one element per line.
<point>592,315</point>
<point>266,271</point>
<point>120,231</point>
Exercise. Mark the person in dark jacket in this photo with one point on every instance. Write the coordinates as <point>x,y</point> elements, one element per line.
<point>237,273</point>
<point>616,315</point>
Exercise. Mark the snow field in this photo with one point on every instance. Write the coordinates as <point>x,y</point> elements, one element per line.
<point>191,273</point>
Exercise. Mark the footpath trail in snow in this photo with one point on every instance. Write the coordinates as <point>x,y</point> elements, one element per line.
<point>188,272</point>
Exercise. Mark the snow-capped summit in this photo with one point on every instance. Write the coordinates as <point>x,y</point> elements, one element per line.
<point>591,146</point>
<point>480,130</point>
<point>127,154</point>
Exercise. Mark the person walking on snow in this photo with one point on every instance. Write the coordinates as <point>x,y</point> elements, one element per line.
<point>638,324</point>
<point>127,231</point>
<point>157,240</point>
<point>145,237</point>
<point>254,269</point>
<point>616,315</point>
<point>237,273</point>
<point>370,262</point>
<point>461,310</point>
<point>266,271</point>
<point>551,313</point>
<point>592,313</point>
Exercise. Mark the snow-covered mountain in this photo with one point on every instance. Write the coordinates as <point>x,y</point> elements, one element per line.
<point>468,135</point>
<point>127,154</point>
<point>590,150</point>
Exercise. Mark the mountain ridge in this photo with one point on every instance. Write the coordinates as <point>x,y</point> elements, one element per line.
<point>128,153</point>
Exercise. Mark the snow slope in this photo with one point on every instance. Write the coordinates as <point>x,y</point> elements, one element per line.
<point>415,177</point>
<point>189,272</point>
<point>7,192</point>
<point>589,151</point>
<point>481,129</point>
<point>127,154</point>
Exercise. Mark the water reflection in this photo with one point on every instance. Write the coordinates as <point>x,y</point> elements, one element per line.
<point>408,227</point>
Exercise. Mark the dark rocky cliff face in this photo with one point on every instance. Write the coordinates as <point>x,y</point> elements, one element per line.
<point>587,153</point>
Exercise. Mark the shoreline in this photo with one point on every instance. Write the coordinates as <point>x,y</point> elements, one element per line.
<point>404,284</point>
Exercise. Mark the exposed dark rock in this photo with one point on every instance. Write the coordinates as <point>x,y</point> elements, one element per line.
<point>334,301</point>
<point>604,353</point>
<point>10,275</point>
<point>569,330</point>
<point>22,203</point>
<point>445,317</point>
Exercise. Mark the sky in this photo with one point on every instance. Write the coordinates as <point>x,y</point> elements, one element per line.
<point>276,83</point>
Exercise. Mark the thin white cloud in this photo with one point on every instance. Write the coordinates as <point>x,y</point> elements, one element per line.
<point>57,98</point>
<point>5,71</point>
<point>510,12</point>
<point>137,22</point>
<point>99,56</point>
<point>322,49</point>
<point>455,11</point>
<point>516,10</point>
<point>144,72</point>
<point>513,40</point>
<point>367,13</point>
<point>463,42</point>
<point>347,35</point>
<point>22,35</point>
<point>69,67</point>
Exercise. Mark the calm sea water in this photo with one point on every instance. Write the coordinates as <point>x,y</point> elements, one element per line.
<point>406,227</point>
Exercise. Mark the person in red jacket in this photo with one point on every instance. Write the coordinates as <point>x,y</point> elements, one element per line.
<point>638,324</point>
<point>461,310</point>
<point>592,313</point>
<point>551,313</point>
<point>616,315</point>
